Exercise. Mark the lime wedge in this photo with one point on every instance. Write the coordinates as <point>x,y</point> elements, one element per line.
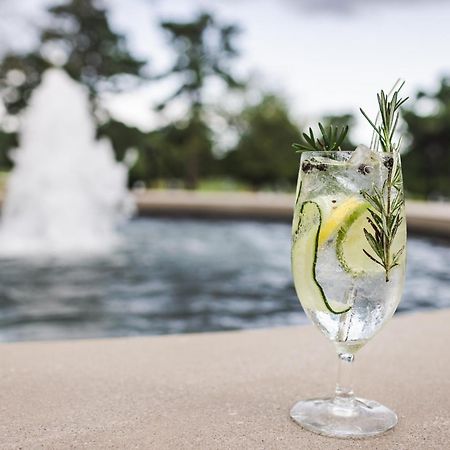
<point>304,258</point>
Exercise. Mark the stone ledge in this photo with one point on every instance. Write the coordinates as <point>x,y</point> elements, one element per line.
<point>422,217</point>
<point>220,390</point>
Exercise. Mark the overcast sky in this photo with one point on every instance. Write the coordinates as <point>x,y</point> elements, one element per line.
<point>324,56</point>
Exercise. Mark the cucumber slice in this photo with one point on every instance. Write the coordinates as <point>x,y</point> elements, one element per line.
<point>304,258</point>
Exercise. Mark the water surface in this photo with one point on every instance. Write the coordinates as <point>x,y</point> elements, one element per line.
<point>180,276</point>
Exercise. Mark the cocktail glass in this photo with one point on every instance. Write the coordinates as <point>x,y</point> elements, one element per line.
<point>348,265</point>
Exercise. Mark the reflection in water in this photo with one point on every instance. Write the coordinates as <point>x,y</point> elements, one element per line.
<point>177,276</point>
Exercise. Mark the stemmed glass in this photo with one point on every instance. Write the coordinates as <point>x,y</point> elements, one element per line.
<point>348,265</point>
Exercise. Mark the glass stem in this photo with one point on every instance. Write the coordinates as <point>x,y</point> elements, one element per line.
<point>344,391</point>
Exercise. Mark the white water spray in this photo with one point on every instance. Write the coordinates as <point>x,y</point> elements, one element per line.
<point>67,193</point>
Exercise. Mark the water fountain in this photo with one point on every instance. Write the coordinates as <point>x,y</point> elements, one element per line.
<point>67,193</point>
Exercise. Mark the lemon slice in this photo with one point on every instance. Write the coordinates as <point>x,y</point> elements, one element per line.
<point>337,217</point>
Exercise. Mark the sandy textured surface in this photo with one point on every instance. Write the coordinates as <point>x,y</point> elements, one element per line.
<point>220,391</point>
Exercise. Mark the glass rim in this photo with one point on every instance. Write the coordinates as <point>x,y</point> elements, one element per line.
<point>342,152</point>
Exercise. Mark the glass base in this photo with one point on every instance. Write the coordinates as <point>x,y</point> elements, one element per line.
<point>356,418</point>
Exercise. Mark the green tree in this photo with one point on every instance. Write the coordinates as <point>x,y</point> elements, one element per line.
<point>264,154</point>
<point>80,40</point>
<point>123,138</point>
<point>172,145</point>
<point>426,164</point>
<point>204,50</point>
<point>7,141</point>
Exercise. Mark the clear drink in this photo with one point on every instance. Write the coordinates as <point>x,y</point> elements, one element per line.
<point>348,264</point>
<point>339,278</point>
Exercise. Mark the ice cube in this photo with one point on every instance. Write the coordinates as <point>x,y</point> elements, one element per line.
<point>364,159</point>
<point>363,162</point>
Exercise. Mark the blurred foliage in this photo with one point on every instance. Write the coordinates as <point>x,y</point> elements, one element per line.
<point>79,40</point>
<point>19,75</point>
<point>183,150</point>
<point>204,49</point>
<point>8,141</point>
<point>264,155</point>
<point>94,54</point>
<point>124,138</point>
<point>426,165</point>
<point>163,153</point>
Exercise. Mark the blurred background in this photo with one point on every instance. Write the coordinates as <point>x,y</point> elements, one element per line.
<point>106,102</point>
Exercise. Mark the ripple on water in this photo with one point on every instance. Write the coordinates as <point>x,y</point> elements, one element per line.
<point>178,276</point>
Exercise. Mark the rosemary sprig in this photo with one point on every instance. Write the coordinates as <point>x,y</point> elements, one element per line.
<point>389,114</point>
<point>332,138</point>
<point>386,205</point>
<point>384,220</point>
